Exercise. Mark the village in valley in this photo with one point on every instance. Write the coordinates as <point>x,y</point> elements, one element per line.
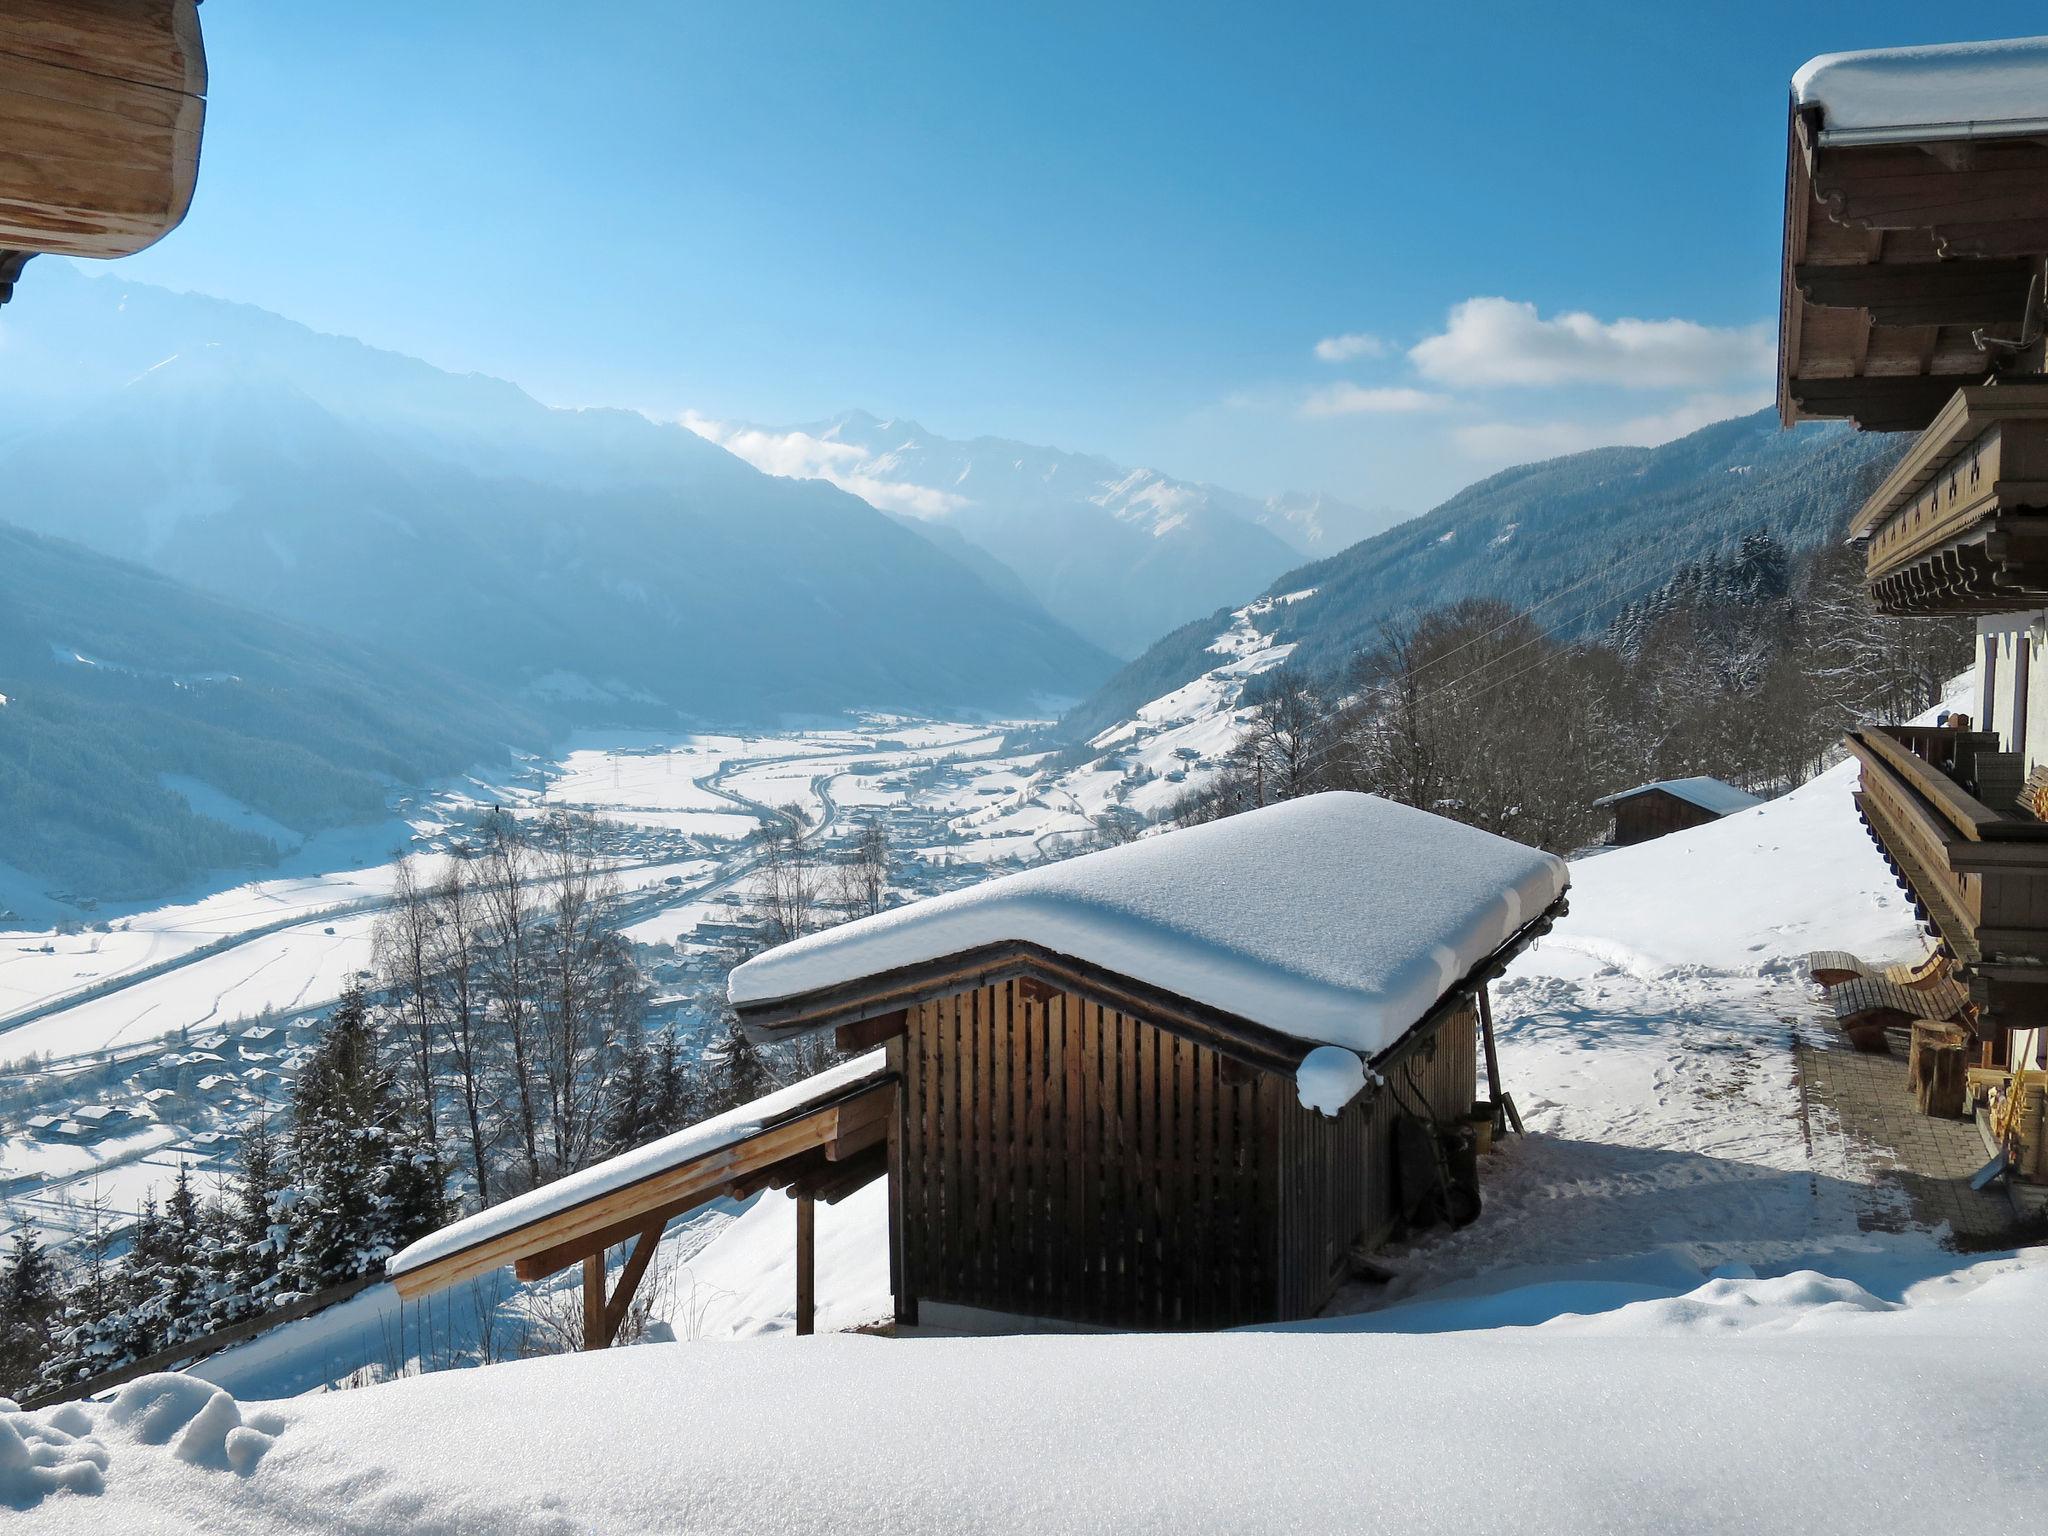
<point>1528,1017</point>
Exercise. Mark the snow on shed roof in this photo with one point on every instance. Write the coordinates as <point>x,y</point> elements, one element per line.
<point>1950,90</point>
<point>1335,919</point>
<point>686,1145</point>
<point>1706,793</point>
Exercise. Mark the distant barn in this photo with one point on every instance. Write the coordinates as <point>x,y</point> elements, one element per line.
<point>1672,805</point>
<point>1175,1084</point>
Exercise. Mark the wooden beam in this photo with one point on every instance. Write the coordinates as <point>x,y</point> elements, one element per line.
<point>1973,293</point>
<point>1892,404</point>
<point>866,1034</point>
<point>560,1238</point>
<point>594,1334</point>
<point>629,1280</point>
<point>806,1265</point>
<point>1494,1090</point>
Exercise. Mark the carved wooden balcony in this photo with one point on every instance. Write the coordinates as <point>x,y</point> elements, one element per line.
<point>1975,867</point>
<point>1961,525</point>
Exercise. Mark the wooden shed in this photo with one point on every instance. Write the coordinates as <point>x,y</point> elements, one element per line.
<point>1177,1084</point>
<point>1671,805</point>
<point>1115,1071</point>
<point>102,103</point>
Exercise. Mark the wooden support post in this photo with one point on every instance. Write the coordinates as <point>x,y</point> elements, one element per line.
<point>594,1336</point>
<point>1493,1087</point>
<point>806,1265</point>
<point>629,1280</point>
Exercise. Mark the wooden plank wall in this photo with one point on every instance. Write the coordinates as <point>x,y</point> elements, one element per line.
<point>1064,1160</point>
<point>1334,1178</point>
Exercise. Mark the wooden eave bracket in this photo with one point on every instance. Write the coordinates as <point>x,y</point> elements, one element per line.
<point>11,263</point>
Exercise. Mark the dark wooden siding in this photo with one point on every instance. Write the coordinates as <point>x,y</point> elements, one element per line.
<point>1060,1159</point>
<point>1654,813</point>
<point>1334,1178</point>
<point>1064,1160</point>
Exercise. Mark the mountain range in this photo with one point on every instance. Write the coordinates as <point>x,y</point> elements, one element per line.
<point>597,560</point>
<point>1569,539</point>
<point>1120,555</point>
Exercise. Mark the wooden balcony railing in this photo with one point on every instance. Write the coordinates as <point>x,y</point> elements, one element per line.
<point>1978,872</point>
<point>1961,524</point>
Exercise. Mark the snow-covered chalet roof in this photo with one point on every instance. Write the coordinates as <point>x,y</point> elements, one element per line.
<point>1335,919</point>
<point>1949,90</point>
<point>686,1145</point>
<point>1707,793</point>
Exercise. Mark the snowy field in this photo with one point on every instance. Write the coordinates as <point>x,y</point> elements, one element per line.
<point>1668,1318</point>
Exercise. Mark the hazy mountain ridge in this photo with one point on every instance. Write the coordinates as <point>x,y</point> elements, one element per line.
<point>458,519</point>
<point>1570,538</point>
<point>1119,554</point>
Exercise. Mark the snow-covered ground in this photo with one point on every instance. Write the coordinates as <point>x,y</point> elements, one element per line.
<point>1668,1317</point>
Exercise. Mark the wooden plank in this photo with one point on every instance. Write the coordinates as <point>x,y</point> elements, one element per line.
<point>629,1279</point>
<point>1002,1159</point>
<point>902,1052</point>
<point>146,42</point>
<point>1058,1158</point>
<point>953,1144</point>
<point>562,1237</point>
<point>866,1034</point>
<point>806,1266</point>
<point>594,1334</point>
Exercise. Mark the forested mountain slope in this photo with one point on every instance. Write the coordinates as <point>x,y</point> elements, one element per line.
<point>1570,539</point>
<point>117,683</point>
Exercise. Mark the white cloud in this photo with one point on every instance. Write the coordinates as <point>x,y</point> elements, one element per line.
<point>1357,400</point>
<point>1342,349</point>
<point>1501,341</point>
<point>802,456</point>
<point>1506,442</point>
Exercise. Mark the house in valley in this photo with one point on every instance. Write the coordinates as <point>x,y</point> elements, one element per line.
<point>101,110</point>
<point>1175,1084</point>
<point>1672,805</point>
<point>1912,300</point>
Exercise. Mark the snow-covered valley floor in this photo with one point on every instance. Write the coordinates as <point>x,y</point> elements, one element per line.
<point>1673,1314</point>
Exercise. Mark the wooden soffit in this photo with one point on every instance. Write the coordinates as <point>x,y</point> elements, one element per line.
<point>1896,257</point>
<point>102,103</point>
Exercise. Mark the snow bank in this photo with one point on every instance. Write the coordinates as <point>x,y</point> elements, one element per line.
<point>1752,892</point>
<point>1837,1413</point>
<point>617,1172</point>
<point>1337,918</point>
<point>1947,85</point>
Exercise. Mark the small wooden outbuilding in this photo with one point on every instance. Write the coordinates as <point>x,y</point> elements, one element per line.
<point>1115,1071</point>
<point>1176,1084</point>
<point>1672,805</point>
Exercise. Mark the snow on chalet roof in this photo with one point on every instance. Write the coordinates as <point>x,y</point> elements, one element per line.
<point>1336,919</point>
<point>1949,90</point>
<point>1708,794</point>
<point>686,1145</point>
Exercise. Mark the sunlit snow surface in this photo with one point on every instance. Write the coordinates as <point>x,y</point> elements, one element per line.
<point>1668,1318</point>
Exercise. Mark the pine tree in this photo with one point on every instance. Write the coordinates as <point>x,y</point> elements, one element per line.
<point>183,1284</point>
<point>742,1072</point>
<point>360,1189</point>
<point>251,1254</point>
<point>28,1302</point>
<point>630,1120</point>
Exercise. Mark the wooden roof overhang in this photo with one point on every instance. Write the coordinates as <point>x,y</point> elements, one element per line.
<point>102,105</point>
<point>1900,252</point>
<point>823,1150</point>
<point>872,1008</point>
<point>1960,525</point>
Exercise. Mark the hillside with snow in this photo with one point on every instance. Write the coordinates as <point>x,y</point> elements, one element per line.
<point>1121,555</point>
<point>1684,1251</point>
<point>1568,540</point>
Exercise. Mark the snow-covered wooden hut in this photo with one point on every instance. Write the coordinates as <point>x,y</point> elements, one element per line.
<point>1162,1085</point>
<point>101,109</point>
<point>1672,805</point>
<point>1914,296</point>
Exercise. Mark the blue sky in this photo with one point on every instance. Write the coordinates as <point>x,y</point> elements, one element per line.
<point>1118,228</point>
